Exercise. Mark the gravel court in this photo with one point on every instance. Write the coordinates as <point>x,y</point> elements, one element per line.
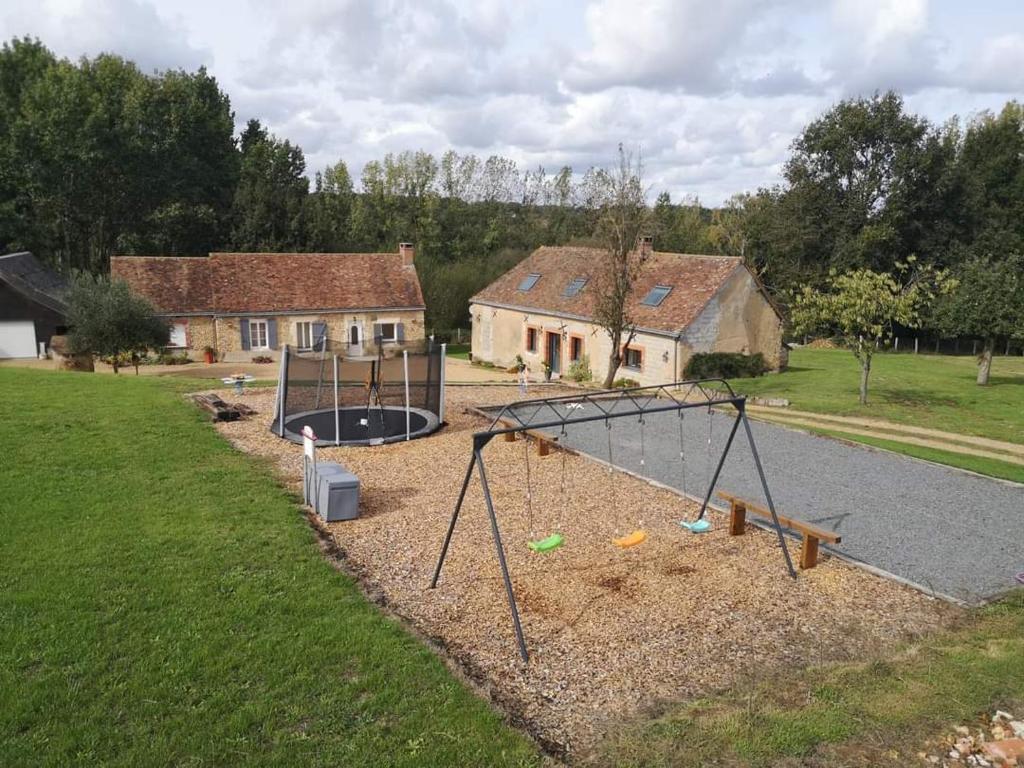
<point>949,532</point>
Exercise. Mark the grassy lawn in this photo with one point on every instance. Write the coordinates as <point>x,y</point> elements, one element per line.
<point>931,391</point>
<point>458,351</point>
<point>878,713</point>
<point>163,602</point>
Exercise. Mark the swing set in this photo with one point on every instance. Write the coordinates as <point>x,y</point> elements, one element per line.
<point>545,415</point>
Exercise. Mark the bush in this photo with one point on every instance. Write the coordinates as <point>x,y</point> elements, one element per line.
<point>262,359</point>
<point>580,370</point>
<point>169,358</point>
<point>724,365</point>
<point>625,383</point>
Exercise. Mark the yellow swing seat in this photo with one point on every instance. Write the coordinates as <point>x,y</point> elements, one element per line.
<point>636,537</point>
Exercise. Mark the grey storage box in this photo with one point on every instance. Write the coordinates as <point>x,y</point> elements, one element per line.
<point>322,468</point>
<point>338,497</point>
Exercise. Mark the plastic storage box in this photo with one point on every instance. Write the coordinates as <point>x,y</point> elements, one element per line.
<point>338,496</point>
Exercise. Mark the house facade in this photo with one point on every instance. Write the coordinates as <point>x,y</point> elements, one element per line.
<point>32,308</point>
<point>251,304</point>
<point>542,310</point>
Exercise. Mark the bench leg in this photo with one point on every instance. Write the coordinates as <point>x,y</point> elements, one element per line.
<point>543,449</point>
<point>510,437</point>
<point>809,552</point>
<point>737,519</point>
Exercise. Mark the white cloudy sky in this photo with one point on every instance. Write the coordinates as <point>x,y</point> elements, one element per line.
<point>712,92</point>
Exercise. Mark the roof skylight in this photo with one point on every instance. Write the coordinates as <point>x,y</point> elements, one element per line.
<point>528,282</point>
<point>656,295</point>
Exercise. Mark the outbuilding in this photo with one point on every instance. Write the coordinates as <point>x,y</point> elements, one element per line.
<point>32,308</point>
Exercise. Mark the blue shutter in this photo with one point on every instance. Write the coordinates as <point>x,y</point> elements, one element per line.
<point>319,336</point>
<point>400,332</point>
<point>272,333</point>
<point>243,326</point>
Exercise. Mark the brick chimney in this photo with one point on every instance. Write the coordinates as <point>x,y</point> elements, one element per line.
<point>645,244</point>
<point>407,252</point>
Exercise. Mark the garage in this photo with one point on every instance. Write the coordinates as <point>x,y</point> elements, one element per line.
<point>18,338</point>
<point>31,305</point>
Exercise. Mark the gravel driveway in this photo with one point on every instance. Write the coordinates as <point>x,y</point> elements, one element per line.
<point>949,532</point>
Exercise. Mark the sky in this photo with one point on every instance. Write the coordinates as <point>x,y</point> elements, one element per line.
<point>709,94</point>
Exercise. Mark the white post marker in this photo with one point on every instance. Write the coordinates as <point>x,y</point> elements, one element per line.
<point>405,366</point>
<point>337,415</point>
<point>309,465</point>
<point>444,353</point>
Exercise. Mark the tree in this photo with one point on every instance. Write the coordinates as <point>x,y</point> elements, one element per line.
<point>987,302</point>
<point>617,199</point>
<point>330,209</point>
<point>861,307</point>
<point>109,321</point>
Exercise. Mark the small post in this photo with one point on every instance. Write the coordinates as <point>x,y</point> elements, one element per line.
<point>405,366</point>
<point>337,412</point>
<point>809,552</point>
<point>440,415</point>
<point>543,448</point>
<point>974,347</point>
<point>896,344</point>
<point>916,340</point>
<point>510,437</point>
<point>282,391</point>
<point>737,518</point>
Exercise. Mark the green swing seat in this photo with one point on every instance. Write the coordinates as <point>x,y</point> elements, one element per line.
<point>554,541</point>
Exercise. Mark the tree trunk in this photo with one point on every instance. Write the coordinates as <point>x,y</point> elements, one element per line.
<point>985,362</point>
<point>614,361</point>
<point>865,371</point>
<point>113,363</point>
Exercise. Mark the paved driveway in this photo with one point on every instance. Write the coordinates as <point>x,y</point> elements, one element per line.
<point>950,532</point>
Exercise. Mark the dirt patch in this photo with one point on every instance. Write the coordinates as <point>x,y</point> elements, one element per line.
<point>611,632</point>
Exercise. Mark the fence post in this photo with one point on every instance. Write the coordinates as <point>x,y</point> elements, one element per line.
<point>440,415</point>
<point>916,340</point>
<point>896,344</point>
<point>974,347</point>
<point>337,413</point>
<point>405,367</point>
<point>282,391</point>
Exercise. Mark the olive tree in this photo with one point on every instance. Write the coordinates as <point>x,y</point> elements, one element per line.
<point>108,320</point>
<point>860,307</point>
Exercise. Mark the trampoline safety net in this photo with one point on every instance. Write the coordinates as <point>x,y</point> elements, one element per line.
<point>366,400</point>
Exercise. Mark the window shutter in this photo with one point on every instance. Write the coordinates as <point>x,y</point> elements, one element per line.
<point>319,336</point>
<point>272,333</point>
<point>400,332</point>
<point>243,326</point>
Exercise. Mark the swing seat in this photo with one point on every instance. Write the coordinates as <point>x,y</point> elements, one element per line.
<point>554,541</point>
<point>636,537</point>
<point>697,526</point>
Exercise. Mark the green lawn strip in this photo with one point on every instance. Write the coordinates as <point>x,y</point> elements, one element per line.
<point>938,392</point>
<point>918,693</point>
<point>459,351</point>
<point>164,602</point>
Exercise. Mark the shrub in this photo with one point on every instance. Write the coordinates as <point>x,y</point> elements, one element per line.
<point>625,383</point>
<point>169,358</point>
<point>580,370</point>
<point>262,359</point>
<point>724,365</point>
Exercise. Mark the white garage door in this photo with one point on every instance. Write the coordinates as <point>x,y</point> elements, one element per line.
<point>17,338</point>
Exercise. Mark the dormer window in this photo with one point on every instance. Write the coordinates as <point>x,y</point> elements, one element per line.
<point>528,282</point>
<point>656,295</point>
<point>574,287</point>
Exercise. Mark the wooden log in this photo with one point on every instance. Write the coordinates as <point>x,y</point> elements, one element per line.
<point>219,410</point>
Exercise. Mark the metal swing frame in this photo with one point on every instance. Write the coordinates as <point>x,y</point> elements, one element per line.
<point>637,401</point>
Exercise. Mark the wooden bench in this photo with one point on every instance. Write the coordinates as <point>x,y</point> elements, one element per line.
<point>812,534</point>
<point>543,441</point>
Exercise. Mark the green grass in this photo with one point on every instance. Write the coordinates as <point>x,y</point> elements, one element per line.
<point>164,602</point>
<point>852,714</point>
<point>459,351</point>
<point>938,392</point>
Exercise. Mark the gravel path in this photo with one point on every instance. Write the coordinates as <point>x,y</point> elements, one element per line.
<point>950,532</point>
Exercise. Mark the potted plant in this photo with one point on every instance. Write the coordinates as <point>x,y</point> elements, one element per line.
<point>209,354</point>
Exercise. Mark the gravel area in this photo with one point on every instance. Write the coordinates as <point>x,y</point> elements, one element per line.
<point>613,634</point>
<point>950,532</point>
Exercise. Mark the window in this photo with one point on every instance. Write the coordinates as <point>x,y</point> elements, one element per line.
<point>656,295</point>
<point>531,339</point>
<point>179,335</point>
<point>304,335</point>
<point>574,287</point>
<point>258,337</point>
<point>388,332</point>
<point>575,348</point>
<point>528,282</point>
<point>634,358</point>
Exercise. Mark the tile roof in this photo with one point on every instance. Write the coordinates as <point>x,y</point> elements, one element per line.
<point>271,282</point>
<point>694,279</point>
<point>27,275</point>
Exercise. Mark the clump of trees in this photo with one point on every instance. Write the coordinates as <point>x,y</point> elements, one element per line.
<point>111,322</point>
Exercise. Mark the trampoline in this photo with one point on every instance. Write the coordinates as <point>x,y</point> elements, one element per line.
<point>359,400</point>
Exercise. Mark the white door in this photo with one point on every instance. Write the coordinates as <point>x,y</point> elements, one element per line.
<point>18,338</point>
